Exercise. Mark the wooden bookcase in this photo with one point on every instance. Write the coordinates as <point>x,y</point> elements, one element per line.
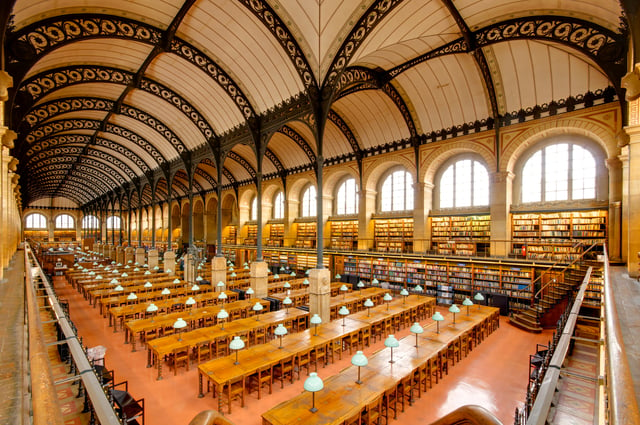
<point>37,235</point>
<point>393,235</point>
<point>276,234</point>
<point>461,235</point>
<point>230,234</point>
<point>252,235</point>
<point>557,236</point>
<point>344,235</point>
<point>306,235</point>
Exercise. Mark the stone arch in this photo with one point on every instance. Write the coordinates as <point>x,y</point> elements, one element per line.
<point>446,151</point>
<point>378,165</point>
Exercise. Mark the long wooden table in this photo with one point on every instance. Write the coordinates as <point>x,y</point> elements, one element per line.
<point>159,347</point>
<point>113,301</point>
<point>342,399</point>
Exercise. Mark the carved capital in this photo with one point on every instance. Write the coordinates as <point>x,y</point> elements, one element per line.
<point>13,164</point>
<point>631,82</point>
<point>501,176</point>
<point>5,83</point>
<point>613,163</point>
<point>8,137</point>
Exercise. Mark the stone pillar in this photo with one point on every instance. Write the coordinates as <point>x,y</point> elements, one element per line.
<point>258,278</point>
<point>218,270</point>
<point>97,247</point>
<point>112,252</point>
<point>291,209</point>
<point>320,294</point>
<point>141,255</point>
<point>366,209</point>
<point>152,259</point>
<point>624,233</point>
<point>423,203</point>
<point>129,254</point>
<point>190,268</point>
<point>501,194</point>
<point>119,254</point>
<point>170,262</point>
<point>615,200</point>
<point>633,130</point>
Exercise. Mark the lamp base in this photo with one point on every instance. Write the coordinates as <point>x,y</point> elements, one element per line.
<point>313,410</point>
<point>392,361</point>
<point>358,382</point>
<point>236,363</point>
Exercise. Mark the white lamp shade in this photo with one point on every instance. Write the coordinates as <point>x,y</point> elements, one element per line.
<point>168,271</point>
<point>126,267</point>
<point>195,287</point>
<point>222,296</point>
<point>416,328</point>
<point>236,343</point>
<point>375,281</point>
<point>249,291</point>
<point>387,297</point>
<point>338,276</point>
<point>359,359</point>
<point>180,323</point>
<point>118,288</point>
<point>454,309</point>
<point>246,267</point>
<point>245,264</point>
<point>316,319</point>
<point>437,317</point>
<point>114,281</point>
<point>124,274</point>
<point>360,284</point>
<point>287,301</point>
<point>286,285</point>
<point>344,288</point>
<point>281,268</point>
<point>130,261</point>
<point>132,296</point>
<point>313,383</point>
<point>467,302</point>
<point>233,274</point>
<point>92,273</point>
<point>220,284</point>
<point>478,297</point>
<point>307,272</point>
<point>305,282</point>
<point>343,310</point>
<point>147,272</point>
<point>136,269</point>
<point>292,274</point>
<point>156,268</point>
<point>99,276</point>
<point>222,314</point>
<point>276,276</point>
<point>152,308</point>
<point>198,279</point>
<point>391,341</point>
<point>368,303</point>
<point>404,292</point>
<point>190,301</point>
<point>176,280</point>
<point>115,271</point>
<point>230,268</point>
<point>165,291</point>
<point>148,285</point>
<point>257,307</point>
<point>280,330</point>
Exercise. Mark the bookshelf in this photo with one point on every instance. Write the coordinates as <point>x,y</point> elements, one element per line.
<point>64,235</point>
<point>344,235</point>
<point>393,235</point>
<point>557,236</point>
<point>37,235</point>
<point>230,234</point>
<point>276,234</point>
<point>306,235</point>
<point>252,235</point>
<point>461,235</point>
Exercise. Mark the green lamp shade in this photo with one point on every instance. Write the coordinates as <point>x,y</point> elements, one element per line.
<point>375,281</point>
<point>454,309</point>
<point>360,284</point>
<point>359,359</point>
<point>132,296</point>
<point>286,285</point>
<point>180,323</point>
<point>249,291</point>
<point>437,317</point>
<point>236,343</point>
<point>292,274</point>
<point>391,342</point>
<point>195,287</point>
<point>151,308</point>
<point>114,281</point>
<point>305,282</point>
<point>344,288</point>
<point>233,274</point>
<point>467,302</point>
<point>165,291</point>
<point>220,284</point>
<point>176,280</point>
<point>404,292</point>
<point>148,285</point>
<point>313,383</point>
<point>147,272</point>
<point>276,276</point>
<point>119,288</point>
<point>287,301</point>
<point>222,314</point>
<point>222,296</point>
<point>387,297</point>
<point>190,301</point>
<point>257,306</point>
<point>338,276</point>
<point>368,303</point>
<point>416,328</point>
<point>478,297</point>
<point>343,310</point>
<point>198,279</point>
<point>316,319</point>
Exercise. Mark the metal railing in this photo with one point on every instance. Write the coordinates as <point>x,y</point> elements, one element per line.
<point>44,407</point>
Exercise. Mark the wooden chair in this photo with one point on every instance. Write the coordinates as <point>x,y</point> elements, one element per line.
<point>179,355</point>
<point>464,345</point>
<point>260,335</point>
<point>263,376</point>
<point>303,360</point>
<point>284,370</point>
<point>319,354</point>
<point>353,420</point>
<point>365,336</point>
<point>232,390</point>
<point>372,412</point>
<point>335,347</point>
<point>453,351</point>
<point>203,351</point>
<point>221,346</point>
<point>301,323</point>
<point>378,331</point>
<point>404,391</point>
<point>389,403</point>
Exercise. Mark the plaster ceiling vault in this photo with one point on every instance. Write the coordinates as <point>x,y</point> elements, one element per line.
<point>113,103</point>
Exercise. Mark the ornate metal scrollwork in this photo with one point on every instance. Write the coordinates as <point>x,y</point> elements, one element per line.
<point>300,141</point>
<point>245,164</point>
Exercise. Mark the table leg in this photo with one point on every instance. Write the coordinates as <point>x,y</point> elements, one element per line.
<point>149,354</point>
<point>159,361</point>
<point>132,338</point>
<point>200,393</point>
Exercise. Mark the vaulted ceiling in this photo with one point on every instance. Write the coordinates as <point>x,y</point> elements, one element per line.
<point>118,96</point>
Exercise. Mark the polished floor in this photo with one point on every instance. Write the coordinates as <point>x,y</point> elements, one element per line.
<point>494,376</point>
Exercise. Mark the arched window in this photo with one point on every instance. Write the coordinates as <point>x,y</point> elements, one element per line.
<point>65,221</point>
<point>465,183</point>
<point>90,222</point>
<point>254,209</point>
<point>396,192</point>
<point>114,222</point>
<point>35,221</point>
<point>309,208</point>
<point>347,197</point>
<point>278,206</point>
<point>559,172</point>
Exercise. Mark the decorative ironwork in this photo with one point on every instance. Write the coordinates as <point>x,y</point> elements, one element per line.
<point>293,108</point>
<point>137,139</point>
<point>51,109</point>
<point>356,76</point>
<point>262,10</point>
<point>274,160</point>
<point>240,160</point>
<point>111,159</point>
<point>54,127</point>
<point>116,173</point>
<point>200,172</point>
<point>393,94</point>
<point>156,124</point>
<point>296,137</point>
<point>359,33</point>
<point>199,59</point>
<point>346,131</point>
<point>228,175</point>
<point>57,140</point>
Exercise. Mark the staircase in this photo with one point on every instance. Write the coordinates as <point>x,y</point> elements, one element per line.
<point>551,301</point>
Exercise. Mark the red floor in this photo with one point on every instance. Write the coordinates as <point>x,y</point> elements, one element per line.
<point>494,376</point>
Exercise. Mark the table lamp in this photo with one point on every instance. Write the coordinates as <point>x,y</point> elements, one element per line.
<point>98,277</point>
<point>359,359</point>
<point>136,269</point>
<point>230,268</point>
<point>313,384</point>
<point>387,298</point>
<point>148,285</point>
<point>222,297</point>
<point>165,291</point>
<point>360,285</point>
<point>454,309</point>
<point>292,274</point>
<point>118,288</point>
<point>92,273</point>
<point>126,267</point>
<point>479,298</point>
<point>344,289</point>
<point>368,303</point>
<point>391,342</point>
<point>221,316</point>
<point>152,308</point>
<point>198,279</point>
<point>195,287</point>
<point>245,264</point>
<point>416,329</point>
<point>437,317</point>
<point>178,325</point>
<point>132,297</point>
<point>344,311</point>
<point>338,277</point>
<point>276,276</point>
<point>287,302</point>
<point>286,285</point>
<point>176,281</point>
<point>147,272</point>
<point>282,268</point>
<point>168,271</point>
<point>307,272</point>
<point>315,321</point>
<point>114,281</point>
<point>124,274</point>
<point>404,294</point>
<point>236,345</point>
<point>280,331</point>
<point>249,292</point>
<point>467,302</point>
<point>257,307</point>
<point>375,281</point>
<point>190,302</point>
<point>305,282</point>
<point>246,267</point>
<point>233,275</point>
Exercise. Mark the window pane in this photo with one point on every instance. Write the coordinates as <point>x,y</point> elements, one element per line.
<point>446,188</point>
<point>36,221</point>
<point>532,179</point>
<point>398,185</point>
<point>583,174</point>
<point>386,196</point>
<point>309,202</point>
<point>113,222</point>
<point>64,221</point>
<point>463,183</point>
<point>254,209</point>
<point>408,205</point>
<point>346,199</point>
<point>278,206</point>
<point>480,184</point>
<point>556,172</point>
<point>90,222</point>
